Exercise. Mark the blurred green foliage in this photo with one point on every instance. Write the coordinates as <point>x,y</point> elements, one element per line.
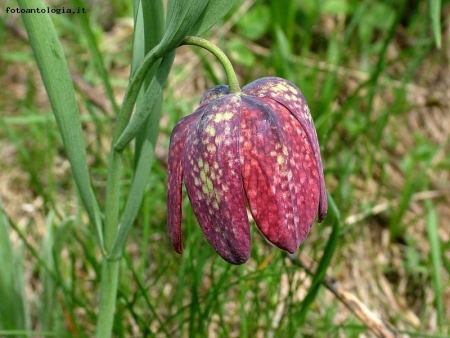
<point>355,62</point>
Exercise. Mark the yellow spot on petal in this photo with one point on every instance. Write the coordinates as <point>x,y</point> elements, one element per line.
<point>227,116</point>
<point>203,176</point>
<point>280,159</point>
<point>220,117</point>
<point>210,186</point>
<point>211,148</point>
<point>280,87</point>
<point>210,130</point>
<point>293,90</point>
<point>216,205</point>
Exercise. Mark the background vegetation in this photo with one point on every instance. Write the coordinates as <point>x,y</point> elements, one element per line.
<point>378,89</point>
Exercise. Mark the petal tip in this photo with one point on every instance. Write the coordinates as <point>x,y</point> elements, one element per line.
<point>323,204</point>
<point>178,248</point>
<point>236,258</point>
<point>322,216</point>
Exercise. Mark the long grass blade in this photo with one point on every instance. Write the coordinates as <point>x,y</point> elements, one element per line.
<point>412,184</point>
<point>213,12</point>
<point>435,14</point>
<point>436,262</point>
<point>144,163</point>
<point>149,29</point>
<point>96,54</point>
<point>182,16</point>
<point>58,83</point>
<point>14,313</point>
<point>49,308</point>
<point>324,262</point>
<point>147,104</point>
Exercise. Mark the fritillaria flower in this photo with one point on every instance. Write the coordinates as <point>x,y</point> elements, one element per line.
<point>256,149</point>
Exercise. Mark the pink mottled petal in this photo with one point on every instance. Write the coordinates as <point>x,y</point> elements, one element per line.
<point>279,172</point>
<point>289,95</point>
<point>175,177</point>
<point>213,179</point>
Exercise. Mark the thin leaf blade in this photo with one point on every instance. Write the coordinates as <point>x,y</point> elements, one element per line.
<point>435,14</point>
<point>435,253</point>
<point>13,307</point>
<point>143,163</point>
<point>324,262</point>
<point>58,84</point>
<point>213,12</point>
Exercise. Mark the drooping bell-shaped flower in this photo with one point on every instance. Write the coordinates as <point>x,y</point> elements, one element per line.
<point>257,148</point>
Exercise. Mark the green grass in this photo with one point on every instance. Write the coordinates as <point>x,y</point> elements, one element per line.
<point>372,76</point>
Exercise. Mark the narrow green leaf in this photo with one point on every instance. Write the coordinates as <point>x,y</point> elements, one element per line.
<point>435,14</point>
<point>282,53</point>
<point>182,16</point>
<point>324,262</point>
<point>115,160</point>
<point>133,91</point>
<point>412,184</point>
<point>108,293</point>
<point>435,252</point>
<point>148,32</point>
<point>243,294</point>
<point>34,252</point>
<point>146,105</point>
<point>13,310</point>
<point>143,166</point>
<point>138,185</point>
<point>213,12</point>
<point>58,83</point>
<point>95,51</point>
<point>284,16</point>
<point>48,304</point>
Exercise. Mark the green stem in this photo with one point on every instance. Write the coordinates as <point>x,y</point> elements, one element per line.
<point>110,268</point>
<point>110,281</point>
<point>115,158</point>
<point>55,74</point>
<point>232,79</point>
